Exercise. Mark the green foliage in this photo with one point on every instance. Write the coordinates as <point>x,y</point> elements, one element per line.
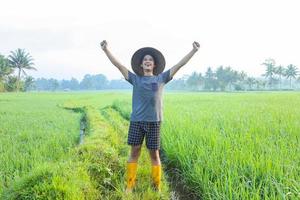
<point>210,80</point>
<point>270,70</point>
<point>5,69</point>
<point>65,180</point>
<point>120,106</point>
<point>29,83</point>
<point>12,84</point>
<point>274,74</point>
<point>20,60</point>
<point>94,82</point>
<point>237,146</point>
<point>226,77</point>
<point>33,131</point>
<point>291,73</point>
<point>2,87</point>
<point>223,146</point>
<point>195,80</point>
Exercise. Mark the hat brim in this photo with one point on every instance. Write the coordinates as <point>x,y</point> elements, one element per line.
<point>138,56</point>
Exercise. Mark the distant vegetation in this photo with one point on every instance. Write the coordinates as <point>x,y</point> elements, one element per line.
<point>20,61</point>
<point>13,77</point>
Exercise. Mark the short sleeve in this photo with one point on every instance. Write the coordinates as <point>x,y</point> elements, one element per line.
<point>166,76</point>
<point>131,78</point>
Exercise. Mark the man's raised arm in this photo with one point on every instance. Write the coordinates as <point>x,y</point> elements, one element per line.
<point>113,60</point>
<point>184,60</point>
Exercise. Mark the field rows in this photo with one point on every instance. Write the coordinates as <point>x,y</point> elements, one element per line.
<point>94,170</point>
<point>224,146</point>
<point>234,146</point>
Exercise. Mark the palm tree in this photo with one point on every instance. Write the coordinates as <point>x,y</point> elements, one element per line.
<point>242,76</point>
<point>231,76</point>
<point>21,61</point>
<point>270,70</point>
<point>280,70</point>
<point>210,81</point>
<point>291,72</point>
<point>251,81</point>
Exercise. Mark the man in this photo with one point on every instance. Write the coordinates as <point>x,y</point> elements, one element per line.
<point>146,117</point>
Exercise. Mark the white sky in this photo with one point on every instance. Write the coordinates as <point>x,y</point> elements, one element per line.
<point>63,36</point>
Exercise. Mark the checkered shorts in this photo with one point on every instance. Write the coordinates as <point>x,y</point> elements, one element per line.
<point>149,130</point>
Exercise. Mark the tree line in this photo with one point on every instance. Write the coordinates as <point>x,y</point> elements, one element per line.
<point>14,67</point>
<point>227,79</point>
<point>89,82</point>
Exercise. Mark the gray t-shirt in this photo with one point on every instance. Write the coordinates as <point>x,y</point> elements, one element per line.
<point>147,96</point>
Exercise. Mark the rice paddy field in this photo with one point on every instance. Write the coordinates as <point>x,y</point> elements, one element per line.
<point>214,146</point>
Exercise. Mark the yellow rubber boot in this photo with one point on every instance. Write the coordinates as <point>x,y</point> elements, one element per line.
<point>131,175</point>
<point>156,176</point>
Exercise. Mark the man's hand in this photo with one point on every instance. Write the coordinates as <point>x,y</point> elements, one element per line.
<point>196,46</point>
<point>113,60</point>
<point>184,60</point>
<point>103,45</point>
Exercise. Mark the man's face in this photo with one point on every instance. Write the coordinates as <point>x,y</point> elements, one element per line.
<point>148,63</point>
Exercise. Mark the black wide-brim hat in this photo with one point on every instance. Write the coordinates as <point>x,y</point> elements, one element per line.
<point>138,57</point>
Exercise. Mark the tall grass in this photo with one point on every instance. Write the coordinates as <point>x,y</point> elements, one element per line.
<point>92,170</point>
<point>224,146</point>
<point>234,146</point>
<point>33,130</point>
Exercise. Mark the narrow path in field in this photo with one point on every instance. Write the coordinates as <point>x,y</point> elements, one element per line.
<point>178,190</point>
<point>82,130</point>
<point>95,168</point>
<point>172,186</point>
<point>83,122</point>
<point>103,144</point>
<point>143,188</point>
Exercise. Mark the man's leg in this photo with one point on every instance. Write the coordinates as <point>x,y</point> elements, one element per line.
<point>132,166</point>
<point>135,153</point>
<point>135,139</point>
<point>154,155</point>
<point>153,144</point>
<point>156,168</point>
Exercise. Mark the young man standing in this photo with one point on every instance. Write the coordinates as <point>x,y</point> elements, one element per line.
<point>146,117</point>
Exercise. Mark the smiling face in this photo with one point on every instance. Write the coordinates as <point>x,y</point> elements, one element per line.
<point>148,63</point>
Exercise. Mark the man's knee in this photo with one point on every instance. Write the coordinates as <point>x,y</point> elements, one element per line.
<point>154,154</point>
<point>135,152</point>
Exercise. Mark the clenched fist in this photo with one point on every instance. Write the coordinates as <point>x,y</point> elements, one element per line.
<point>196,46</point>
<point>103,45</point>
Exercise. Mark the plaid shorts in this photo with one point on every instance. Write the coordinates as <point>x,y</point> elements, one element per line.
<point>149,130</point>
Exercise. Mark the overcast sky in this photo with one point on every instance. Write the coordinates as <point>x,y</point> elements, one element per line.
<point>63,36</point>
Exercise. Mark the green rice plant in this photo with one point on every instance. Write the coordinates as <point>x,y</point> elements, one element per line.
<point>33,130</point>
<point>61,180</point>
<point>234,145</point>
<point>222,145</point>
<point>37,129</point>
